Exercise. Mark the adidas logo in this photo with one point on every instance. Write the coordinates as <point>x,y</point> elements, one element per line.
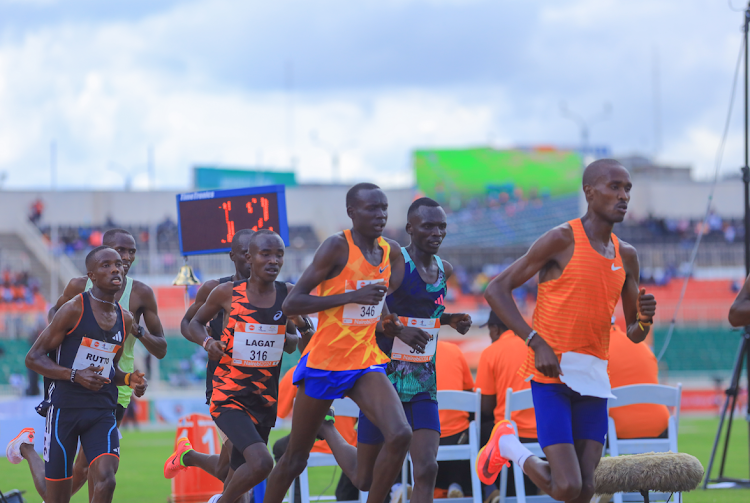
<point>440,301</point>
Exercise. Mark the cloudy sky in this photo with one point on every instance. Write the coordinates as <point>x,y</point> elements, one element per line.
<point>249,82</point>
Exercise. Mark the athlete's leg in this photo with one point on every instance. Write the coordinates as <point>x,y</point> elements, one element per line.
<point>589,454</point>
<point>102,473</point>
<point>58,491</point>
<point>356,463</point>
<point>376,398</point>
<point>423,450</point>
<point>36,466</point>
<point>258,464</point>
<point>81,473</point>
<point>560,475</point>
<point>209,463</point>
<point>307,416</point>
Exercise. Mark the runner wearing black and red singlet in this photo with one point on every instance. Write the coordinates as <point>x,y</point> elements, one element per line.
<point>245,383</point>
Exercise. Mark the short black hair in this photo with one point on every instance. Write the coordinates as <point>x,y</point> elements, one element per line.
<point>91,257</point>
<point>351,195</point>
<point>261,232</point>
<point>422,201</point>
<point>109,236</point>
<point>495,321</point>
<point>237,238</point>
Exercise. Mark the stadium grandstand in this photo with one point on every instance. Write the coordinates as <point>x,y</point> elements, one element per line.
<point>488,228</point>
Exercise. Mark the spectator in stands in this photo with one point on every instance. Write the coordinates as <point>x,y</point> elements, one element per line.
<point>631,363</point>
<point>345,490</point>
<point>454,477</point>
<point>37,208</point>
<point>498,371</point>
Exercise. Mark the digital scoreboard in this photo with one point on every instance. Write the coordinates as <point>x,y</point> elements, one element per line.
<point>208,220</point>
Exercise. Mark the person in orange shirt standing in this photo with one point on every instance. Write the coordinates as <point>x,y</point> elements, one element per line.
<point>583,271</point>
<point>634,364</point>
<point>345,490</point>
<point>453,373</point>
<point>498,371</point>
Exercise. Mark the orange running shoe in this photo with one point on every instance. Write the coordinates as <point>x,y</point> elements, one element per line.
<point>174,464</point>
<point>489,461</point>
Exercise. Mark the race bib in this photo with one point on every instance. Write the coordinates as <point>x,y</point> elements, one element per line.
<point>359,314</point>
<point>93,353</point>
<point>404,352</point>
<point>257,345</point>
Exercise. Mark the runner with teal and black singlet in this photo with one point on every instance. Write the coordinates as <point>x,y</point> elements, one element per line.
<point>417,294</point>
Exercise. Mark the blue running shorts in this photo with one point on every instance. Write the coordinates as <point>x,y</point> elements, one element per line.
<point>422,414</point>
<point>564,415</point>
<point>329,384</point>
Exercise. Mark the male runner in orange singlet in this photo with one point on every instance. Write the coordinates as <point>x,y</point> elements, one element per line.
<point>583,271</point>
<point>351,270</point>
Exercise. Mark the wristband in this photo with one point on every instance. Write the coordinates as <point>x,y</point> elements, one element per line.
<point>73,375</point>
<point>643,323</point>
<point>205,341</point>
<point>127,379</point>
<point>530,336</point>
<point>138,333</point>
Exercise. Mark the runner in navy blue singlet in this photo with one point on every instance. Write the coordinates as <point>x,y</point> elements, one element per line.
<point>87,335</point>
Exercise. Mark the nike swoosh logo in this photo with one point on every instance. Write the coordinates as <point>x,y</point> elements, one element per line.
<point>615,268</point>
<point>382,269</point>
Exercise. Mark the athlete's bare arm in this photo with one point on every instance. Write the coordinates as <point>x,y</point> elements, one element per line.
<point>200,299</point>
<point>739,313</point>
<point>145,307</point>
<point>636,303</point>
<point>74,287</point>
<point>460,322</point>
<point>548,256</point>
<point>64,320</point>
<point>330,259</point>
<point>294,322</point>
<point>137,380</point>
<point>219,298</point>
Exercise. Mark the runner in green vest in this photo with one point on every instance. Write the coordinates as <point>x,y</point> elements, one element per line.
<point>139,299</point>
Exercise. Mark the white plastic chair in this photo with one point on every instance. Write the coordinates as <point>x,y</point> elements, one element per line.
<point>464,401</point>
<point>645,394</point>
<point>345,407</point>
<point>520,400</point>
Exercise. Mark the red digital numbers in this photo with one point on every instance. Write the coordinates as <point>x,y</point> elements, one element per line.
<point>263,219</point>
<point>227,207</point>
<point>263,215</point>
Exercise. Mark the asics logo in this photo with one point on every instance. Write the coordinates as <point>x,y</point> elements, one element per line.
<point>615,268</point>
<point>277,316</point>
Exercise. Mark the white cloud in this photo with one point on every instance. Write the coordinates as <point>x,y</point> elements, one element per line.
<point>203,82</point>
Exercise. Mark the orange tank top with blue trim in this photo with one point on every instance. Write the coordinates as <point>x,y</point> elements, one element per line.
<point>574,311</point>
<point>345,338</point>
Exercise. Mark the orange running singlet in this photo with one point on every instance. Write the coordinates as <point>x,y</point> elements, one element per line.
<point>345,339</point>
<point>574,311</point>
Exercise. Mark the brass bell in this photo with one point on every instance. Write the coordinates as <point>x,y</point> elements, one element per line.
<point>186,277</point>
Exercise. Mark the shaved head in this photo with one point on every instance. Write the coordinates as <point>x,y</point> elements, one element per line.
<point>598,169</point>
<point>241,239</point>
